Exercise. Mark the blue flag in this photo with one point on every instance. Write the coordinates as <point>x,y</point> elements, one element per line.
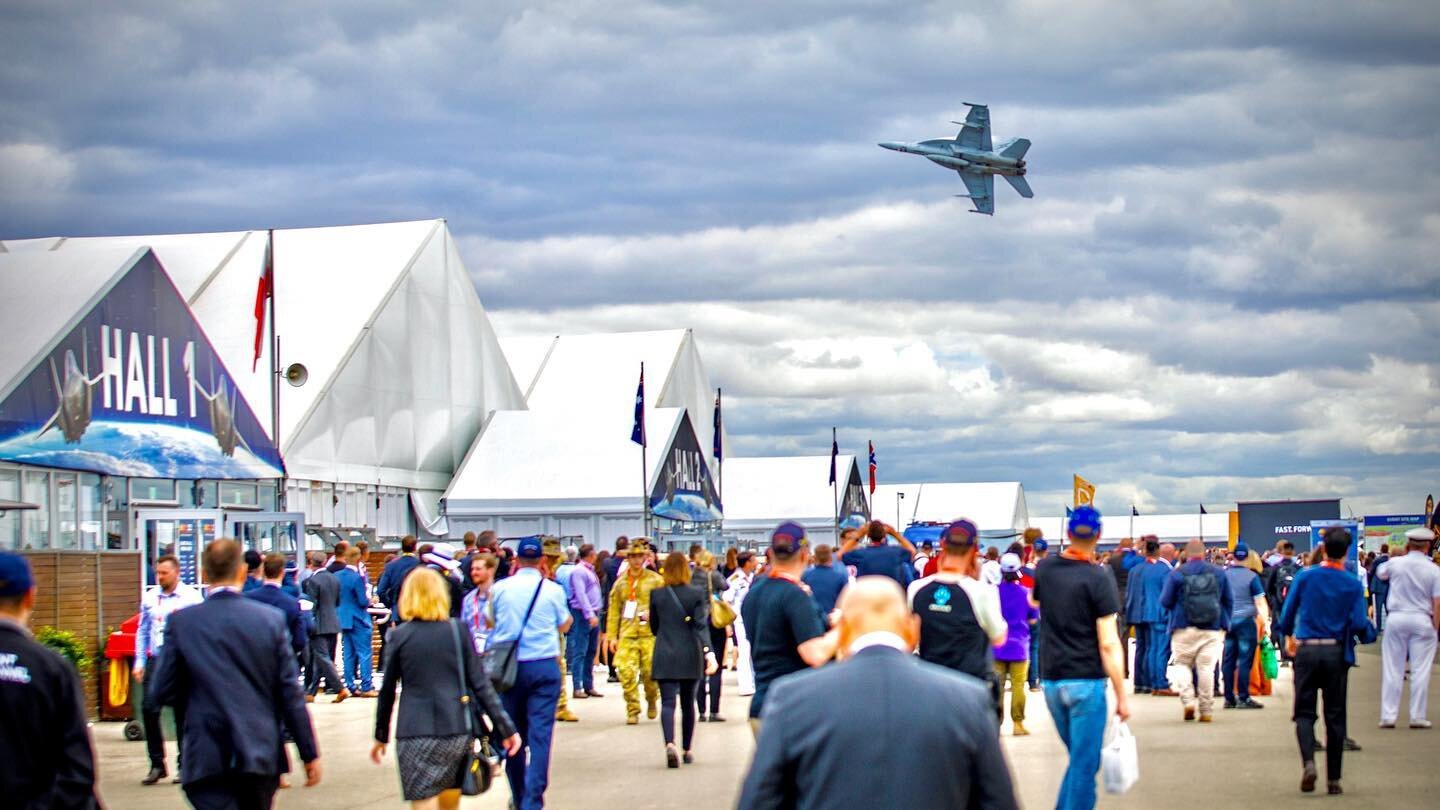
<point>1202,509</point>
<point>719,445</point>
<point>1133,511</point>
<point>637,433</point>
<point>834,453</point>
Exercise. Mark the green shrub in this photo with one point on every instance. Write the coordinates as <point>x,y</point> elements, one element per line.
<point>67,644</point>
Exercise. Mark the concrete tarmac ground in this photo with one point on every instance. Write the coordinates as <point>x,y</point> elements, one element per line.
<point>1245,759</point>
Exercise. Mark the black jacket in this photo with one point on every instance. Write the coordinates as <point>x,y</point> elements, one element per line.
<point>806,754</point>
<point>422,656</point>
<point>44,745</point>
<point>324,590</point>
<point>682,632</point>
<point>228,662</point>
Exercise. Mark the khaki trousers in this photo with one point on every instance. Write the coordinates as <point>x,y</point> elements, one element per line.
<point>1201,649</point>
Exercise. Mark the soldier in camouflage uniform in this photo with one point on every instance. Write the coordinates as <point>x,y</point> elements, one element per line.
<point>631,642</point>
<point>554,556</point>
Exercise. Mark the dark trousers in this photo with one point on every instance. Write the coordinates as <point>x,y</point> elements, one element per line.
<point>150,718</point>
<point>320,664</point>
<point>531,705</point>
<point>233,791</point>
<point>1124,630</point>
<point>708,687</point>
<point>1317,670</point>
<point>684,691</point>
<point>579,645</point>
<point>1238,658</point>
<point>1033,676</point>
<point>1158,655</point>
<point>1143,678</point>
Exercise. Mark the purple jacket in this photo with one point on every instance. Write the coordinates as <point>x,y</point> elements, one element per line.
<point>1018,612</point>
<point>585,590</point>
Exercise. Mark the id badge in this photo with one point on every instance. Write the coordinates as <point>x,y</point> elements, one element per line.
<point>479,641</point>
<point>631,608</point>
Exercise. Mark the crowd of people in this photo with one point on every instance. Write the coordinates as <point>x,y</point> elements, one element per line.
<point>487,647</point>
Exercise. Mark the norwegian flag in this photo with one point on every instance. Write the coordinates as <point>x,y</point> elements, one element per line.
<point>264,293</point>
<point>872,468</point>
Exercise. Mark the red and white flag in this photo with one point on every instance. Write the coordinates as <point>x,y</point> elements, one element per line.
<point>264,292</point>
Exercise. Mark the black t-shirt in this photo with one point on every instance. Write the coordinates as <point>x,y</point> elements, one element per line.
<point>779,616</point>
<point>950,632</point>
<point>1072,596</point>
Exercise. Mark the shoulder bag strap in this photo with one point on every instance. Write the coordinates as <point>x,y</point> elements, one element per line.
<point>460,673</point>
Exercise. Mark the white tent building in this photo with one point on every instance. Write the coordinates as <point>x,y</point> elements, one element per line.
<point>998,508</point>
<point>761,493</point>
<point>566,464</point>
<point>402,367</point>
<point>1177,529</point>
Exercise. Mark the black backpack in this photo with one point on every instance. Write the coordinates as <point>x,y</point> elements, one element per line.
<point>1284,576</point>
<point>1202,598</point>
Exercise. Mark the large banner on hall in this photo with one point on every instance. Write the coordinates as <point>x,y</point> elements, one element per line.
<point>684,489</point>
<point>134,388</point>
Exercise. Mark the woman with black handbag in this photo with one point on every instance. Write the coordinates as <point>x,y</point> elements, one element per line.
<point>436,732</point>
<point>680,619</point>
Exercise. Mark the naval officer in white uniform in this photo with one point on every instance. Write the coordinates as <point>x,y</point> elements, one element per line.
<point>1410,632</point>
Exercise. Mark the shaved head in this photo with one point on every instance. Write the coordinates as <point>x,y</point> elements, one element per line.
<point>1195,550</point>
<point>1167,551</point>
<point>875,604</point>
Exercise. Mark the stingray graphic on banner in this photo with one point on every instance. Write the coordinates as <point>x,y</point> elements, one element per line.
<point>684,489</point>
<point>133,387</point>
<point>854,509</point>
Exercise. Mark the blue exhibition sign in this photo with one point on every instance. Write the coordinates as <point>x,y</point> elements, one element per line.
<point>136,389</point>
<point>684,489</point>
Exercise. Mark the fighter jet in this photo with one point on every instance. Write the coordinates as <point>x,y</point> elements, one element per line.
<point>73,412</point>
<point>222,413</point>
<point>972,156</point>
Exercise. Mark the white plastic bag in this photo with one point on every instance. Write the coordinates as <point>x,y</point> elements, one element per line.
<point>1120,760</point>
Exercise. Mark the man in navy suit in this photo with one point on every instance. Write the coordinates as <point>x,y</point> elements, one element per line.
<point>355,627</point>
<point>806,753</point>
<point>229,662</point>
<point>270,593</point>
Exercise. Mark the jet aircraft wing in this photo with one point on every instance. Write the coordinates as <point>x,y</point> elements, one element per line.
<point>975,132</point>
<point>982,190</point>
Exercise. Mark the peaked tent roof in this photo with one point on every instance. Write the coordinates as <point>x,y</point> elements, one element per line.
<point>776,488</point>
<point>994,506</point>
<point>403,363</point>
<point>572,443</point>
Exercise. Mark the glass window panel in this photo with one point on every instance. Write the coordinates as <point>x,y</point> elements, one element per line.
<point>36,489</point>
<point>267,497</point>
<point>152,489</point>
<point>90,499</point>
<point>238,494</point>
<point>67,511</point>
<point>10,521</point>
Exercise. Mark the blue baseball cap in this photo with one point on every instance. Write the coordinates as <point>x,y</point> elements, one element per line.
<point>788,538</point>
<point>960,534</point>
<point>1241,551</point>
<point>530,548</point>
<point>1040,544</point>
<point>15,577</point>
<point>1084,523</point>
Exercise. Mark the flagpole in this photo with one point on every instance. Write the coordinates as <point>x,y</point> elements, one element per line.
<point>835,481</point>
<point>280,498</point>
<point>720,444</point>
<point>644,464</point>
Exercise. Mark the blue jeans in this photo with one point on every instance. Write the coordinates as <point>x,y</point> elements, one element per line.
<point>357,659</point>
<point>579,648</point>
<point>1080,712</point>
<point>1033,676</point>
<point>531,705</point>
<point>1159,655</point>
<point>1238,658</point>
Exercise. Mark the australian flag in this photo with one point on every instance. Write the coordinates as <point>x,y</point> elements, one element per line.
<point>872,468</point>
<point>834,453</point>
<point>637,433</point>
<point>1133,511</point>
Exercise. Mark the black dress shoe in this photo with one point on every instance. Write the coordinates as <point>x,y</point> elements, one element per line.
<point>1333,788</point>
<point>1251,703</point>
<point>1230,704</point>
<point>155,775</point>
<point>1307,778</point>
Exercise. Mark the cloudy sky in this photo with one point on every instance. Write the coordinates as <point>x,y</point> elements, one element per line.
<point>1227,286</point>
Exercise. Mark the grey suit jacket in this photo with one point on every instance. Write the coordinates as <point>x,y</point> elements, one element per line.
<point>324,590</point>
<point>880,729</point>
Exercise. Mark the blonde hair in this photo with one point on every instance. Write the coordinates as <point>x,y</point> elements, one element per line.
<point>424,597</point>
<point>1252,561</point>
<point>705,560</point>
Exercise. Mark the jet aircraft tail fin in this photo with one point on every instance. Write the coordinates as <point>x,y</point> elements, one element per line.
<point>1015,148</point>
<point>1021,185</point>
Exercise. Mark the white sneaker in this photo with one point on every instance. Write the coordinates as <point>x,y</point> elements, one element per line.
<point>1384,724</point>
<point>1420,724</point>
